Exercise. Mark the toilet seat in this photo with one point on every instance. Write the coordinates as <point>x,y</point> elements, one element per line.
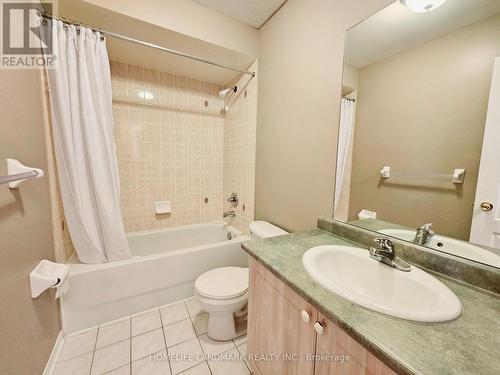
<point>222,283</point>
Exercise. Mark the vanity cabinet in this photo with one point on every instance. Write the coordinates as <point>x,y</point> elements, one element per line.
<point>333,343</point>
<point>277,326</point>
<point>287,335</point>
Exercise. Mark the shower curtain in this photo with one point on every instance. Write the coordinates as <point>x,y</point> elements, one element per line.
<point>82,120</point>
<point>344,144</point>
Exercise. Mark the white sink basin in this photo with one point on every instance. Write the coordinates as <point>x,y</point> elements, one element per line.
<point>449,245</point>
<point>352,274</point>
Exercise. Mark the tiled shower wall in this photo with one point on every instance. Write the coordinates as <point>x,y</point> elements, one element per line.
<point>173,143</point>
<point>169,136</point>
<point>240,123</point>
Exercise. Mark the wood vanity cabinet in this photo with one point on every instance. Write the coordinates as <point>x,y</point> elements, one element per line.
<point>275,325</point>
<point>283,328</point>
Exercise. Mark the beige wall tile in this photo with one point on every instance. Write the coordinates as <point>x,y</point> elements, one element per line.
<point>169,147</point>
<point>240,123</point>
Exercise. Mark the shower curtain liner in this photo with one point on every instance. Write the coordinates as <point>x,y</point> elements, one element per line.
<point>82,120</point>
<point>345,135</point>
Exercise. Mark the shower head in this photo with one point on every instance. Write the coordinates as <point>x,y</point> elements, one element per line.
<point>225,92</point>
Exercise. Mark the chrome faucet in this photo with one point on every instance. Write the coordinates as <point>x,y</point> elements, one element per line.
<point>424,234</point>
<point>230,213</point>
<point>385,253</point>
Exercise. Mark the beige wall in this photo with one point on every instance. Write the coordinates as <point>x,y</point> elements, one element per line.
<point>423,112</point>
<point>28,328</point>
<point>240,125</point>
<point>189,18</point>
<point>300,79</point>
<point>350,77</point>
<point>169,147</point>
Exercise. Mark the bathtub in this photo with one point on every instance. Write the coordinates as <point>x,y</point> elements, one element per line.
<point>163,269</point>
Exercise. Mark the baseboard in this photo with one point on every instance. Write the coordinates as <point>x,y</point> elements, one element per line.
<point>54,355</point>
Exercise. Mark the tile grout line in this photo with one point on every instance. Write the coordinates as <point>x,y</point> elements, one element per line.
<point>165,341</point>
<point>244,362</point>
<point>199,342</point>
<point>198,339</point>
<point>130,343</point>
<point>93,351</point>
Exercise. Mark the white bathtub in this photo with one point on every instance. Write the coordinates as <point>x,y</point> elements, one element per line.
<point>163,269</point>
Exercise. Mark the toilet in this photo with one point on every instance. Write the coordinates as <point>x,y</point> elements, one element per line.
<point>223,292</point>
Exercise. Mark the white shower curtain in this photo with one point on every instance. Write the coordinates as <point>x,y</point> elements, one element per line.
<point>344,144</point>
<point>80,87</point>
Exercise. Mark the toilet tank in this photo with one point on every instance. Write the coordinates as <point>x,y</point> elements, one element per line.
<point>263,229</point>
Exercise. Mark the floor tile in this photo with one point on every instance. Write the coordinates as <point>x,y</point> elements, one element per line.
<point>152,365</point>
<point>145,322</point>
<point>178,332</point>
<point>113,333</point>
<point>111,357</point>
<point>147,343</point>
<point>228,364</point>
<point>185,355</point>
<point>243,351</point>
<point>215,347</point>
<point>75,366</point>
<point>200,323</point>
<point>194,307</point>
<point>242,348</point>
<point>78,344</point>
<point>240,340</point>
<point>174,313</point>
<point>201,369</point>
<point>124,370</point>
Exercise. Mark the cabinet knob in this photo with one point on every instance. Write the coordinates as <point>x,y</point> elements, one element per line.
<point>318,327</point>
<point>306,318</point>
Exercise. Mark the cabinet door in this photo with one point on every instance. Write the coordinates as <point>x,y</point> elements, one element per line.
<point>276,328</point>
<point>333,347</point>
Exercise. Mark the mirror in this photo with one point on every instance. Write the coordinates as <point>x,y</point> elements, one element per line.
<point>419,137</point>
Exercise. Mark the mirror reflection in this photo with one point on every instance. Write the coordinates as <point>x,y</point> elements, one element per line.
<point>419,139</point>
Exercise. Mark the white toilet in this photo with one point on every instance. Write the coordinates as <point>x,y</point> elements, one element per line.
<point>223,292</point>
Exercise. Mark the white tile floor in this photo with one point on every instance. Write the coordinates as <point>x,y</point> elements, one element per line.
<point>169,340</point>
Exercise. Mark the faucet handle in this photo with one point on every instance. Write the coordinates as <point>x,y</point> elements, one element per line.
<point>384,243</point>
<point>428,228</point>
<point>233,199</point>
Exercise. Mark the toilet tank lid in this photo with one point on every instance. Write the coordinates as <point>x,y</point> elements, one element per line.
<point>263,229</point>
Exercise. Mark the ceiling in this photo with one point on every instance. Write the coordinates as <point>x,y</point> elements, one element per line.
<point>252,12</point>
<point>396,28</point>
<point>131,53</point>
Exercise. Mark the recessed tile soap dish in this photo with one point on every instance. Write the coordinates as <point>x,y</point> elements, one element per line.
<point>47,275</point>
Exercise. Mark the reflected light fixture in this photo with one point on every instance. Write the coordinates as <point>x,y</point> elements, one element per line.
<point>422,6</point>
<point>145,95</point>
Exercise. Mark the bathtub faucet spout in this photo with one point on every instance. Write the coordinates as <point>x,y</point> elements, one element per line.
<point>230,213</point>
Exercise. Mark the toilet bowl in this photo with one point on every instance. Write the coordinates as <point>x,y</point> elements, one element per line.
<point>223,292</point>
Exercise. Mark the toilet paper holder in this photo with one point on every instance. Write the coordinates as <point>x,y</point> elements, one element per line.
<point>47,275</point>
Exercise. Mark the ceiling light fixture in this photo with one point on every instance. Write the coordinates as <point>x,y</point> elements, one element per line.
<point>422,6</point>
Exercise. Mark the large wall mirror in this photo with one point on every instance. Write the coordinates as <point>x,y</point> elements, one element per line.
<point>419,140</point>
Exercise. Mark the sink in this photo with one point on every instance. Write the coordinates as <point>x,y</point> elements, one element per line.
<point>449,245</point>
<point>351,273</point>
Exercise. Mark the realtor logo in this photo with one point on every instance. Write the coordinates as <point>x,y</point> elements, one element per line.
<point>26,42</point>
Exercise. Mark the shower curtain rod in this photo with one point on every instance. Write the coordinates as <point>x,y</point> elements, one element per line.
<point>147,44</point>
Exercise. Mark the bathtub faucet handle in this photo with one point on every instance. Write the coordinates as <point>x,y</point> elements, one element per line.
<point>233,199</point>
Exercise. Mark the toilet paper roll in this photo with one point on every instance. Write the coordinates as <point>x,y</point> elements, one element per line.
<point>47,275</point>
<point>366,214</point>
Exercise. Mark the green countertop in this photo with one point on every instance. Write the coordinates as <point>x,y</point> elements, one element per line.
<point>468,345</point>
